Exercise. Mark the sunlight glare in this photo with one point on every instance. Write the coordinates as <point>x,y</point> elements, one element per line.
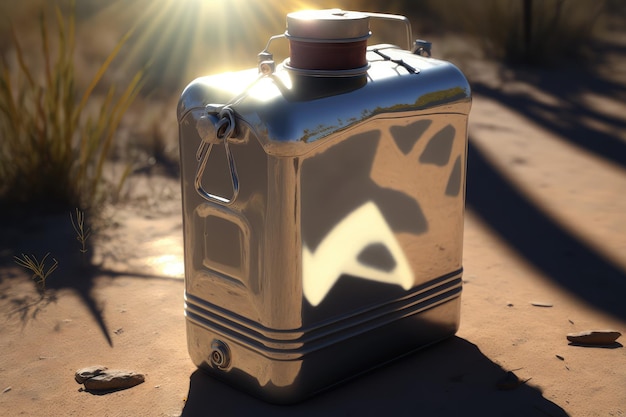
<point>182,40</point>
<point>166,257</point>
<point>168,265</point>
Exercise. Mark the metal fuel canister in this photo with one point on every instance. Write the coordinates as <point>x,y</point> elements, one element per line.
<point>323,201</point>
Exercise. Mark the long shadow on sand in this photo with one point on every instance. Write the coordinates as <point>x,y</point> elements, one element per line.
<point>571,115</point>
<point>36,235</point>
<point>452,378</point>
<point>554,250</point>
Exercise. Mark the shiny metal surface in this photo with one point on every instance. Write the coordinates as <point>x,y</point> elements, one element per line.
<point>395,18</point>
<point>343,247</point>
<point>334,25</point>
<point>217,127</point>
<point>422,47</point>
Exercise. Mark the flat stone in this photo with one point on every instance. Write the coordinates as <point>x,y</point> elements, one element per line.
<point>114,380</point>
<point>594,337</point>
<point>89,372</point>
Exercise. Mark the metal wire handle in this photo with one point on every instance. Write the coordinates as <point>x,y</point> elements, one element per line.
<point>396,18</point>
<point>266,59</point>
<point>224,129</point>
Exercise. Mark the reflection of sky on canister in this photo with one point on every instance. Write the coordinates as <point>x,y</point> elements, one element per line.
<point>340,253</point>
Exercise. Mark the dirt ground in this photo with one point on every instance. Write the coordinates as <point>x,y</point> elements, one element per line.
<point>545,223</point>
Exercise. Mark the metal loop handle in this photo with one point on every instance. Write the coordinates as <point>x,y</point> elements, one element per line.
<point>224,129</point>
<point>267,66</point>
<point>266,58</point>
<point>396,18</point>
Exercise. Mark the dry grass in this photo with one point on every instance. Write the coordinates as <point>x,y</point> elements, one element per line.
<point>40,271</point>
<point>58,130</point>
<point>53,150</point>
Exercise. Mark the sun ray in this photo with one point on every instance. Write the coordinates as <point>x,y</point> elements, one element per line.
<point>185,39</point>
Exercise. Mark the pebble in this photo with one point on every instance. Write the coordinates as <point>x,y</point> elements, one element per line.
<point>114,380</point>
<point>89,372</point>
<point>594,337</point>
<point>541,304</point>
<point>100,378</point>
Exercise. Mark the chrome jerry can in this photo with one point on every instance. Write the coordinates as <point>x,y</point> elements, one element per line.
<point>323,203</point>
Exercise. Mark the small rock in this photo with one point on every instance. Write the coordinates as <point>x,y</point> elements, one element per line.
<point>85,373</point>
<point>113,380</point>
<point>559,357</point>
<point>594,337</point>
<point>541,304</point>
<point>7,389</point>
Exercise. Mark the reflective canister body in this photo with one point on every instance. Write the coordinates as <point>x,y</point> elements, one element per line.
<point>323,234</point>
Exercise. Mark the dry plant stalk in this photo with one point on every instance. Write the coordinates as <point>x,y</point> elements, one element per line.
<point>82,234</point>
<point>38,268</point>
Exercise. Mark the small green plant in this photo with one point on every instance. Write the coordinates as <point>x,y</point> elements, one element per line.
<point>38,268</point>
<point>53,146</point>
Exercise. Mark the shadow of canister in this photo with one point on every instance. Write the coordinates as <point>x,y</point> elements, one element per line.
<point>453,378</point>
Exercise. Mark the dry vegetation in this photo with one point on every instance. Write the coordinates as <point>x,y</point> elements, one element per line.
<point>101,135</point>
<point>67,85</point>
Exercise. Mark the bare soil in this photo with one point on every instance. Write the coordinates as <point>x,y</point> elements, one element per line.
<point>545,224</point>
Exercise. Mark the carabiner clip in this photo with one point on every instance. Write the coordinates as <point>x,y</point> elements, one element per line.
<point>224,129</point>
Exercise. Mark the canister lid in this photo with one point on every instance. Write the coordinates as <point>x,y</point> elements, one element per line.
<point>328,25</point>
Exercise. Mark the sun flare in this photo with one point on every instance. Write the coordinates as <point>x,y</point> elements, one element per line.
<point>182,40</point>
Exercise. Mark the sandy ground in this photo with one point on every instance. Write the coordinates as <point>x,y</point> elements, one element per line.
<point>545,222</point>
